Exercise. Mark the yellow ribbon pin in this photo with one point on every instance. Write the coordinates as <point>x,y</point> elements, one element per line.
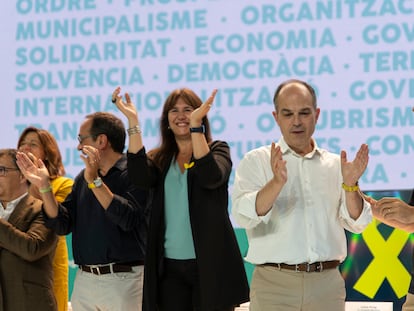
<point>188,165</point>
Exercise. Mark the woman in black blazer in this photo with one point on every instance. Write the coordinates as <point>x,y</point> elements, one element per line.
<point>193,261</point>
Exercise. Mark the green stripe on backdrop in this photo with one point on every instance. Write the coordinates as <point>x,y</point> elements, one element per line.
<point>244,245</point>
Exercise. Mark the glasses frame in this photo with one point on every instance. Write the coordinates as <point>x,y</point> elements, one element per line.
<point>82,138</point>
<point>5,169</point>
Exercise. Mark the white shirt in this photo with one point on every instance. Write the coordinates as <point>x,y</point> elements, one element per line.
<point>307,220</point>
<point>6,211</point>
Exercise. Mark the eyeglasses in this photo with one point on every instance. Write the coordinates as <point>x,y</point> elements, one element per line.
<point>82,138</point>
<point>4,170</point>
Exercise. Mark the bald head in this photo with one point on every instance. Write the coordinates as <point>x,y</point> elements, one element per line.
<point>298,87</point>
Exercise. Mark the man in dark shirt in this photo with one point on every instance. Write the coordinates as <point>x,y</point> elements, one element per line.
<point>105,214</point>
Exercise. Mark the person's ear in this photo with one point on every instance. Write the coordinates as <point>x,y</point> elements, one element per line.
<point>318,111</point>
<point>102,141</point>
<point>275,116</point>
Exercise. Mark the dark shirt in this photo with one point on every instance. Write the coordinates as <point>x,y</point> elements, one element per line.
<point>101,236</point>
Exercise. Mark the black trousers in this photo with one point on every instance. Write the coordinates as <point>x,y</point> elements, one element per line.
<point>180,287</point>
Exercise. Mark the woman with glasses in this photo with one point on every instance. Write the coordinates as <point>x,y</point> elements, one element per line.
<point>193,261</point>
<point>40,144</point>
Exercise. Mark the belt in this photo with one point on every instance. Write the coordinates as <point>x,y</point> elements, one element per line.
<point>110,268</point>
<point>306,267</point>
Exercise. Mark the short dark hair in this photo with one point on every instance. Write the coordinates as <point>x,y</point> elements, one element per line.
<point>168,147</point>
<point>110,125</point>
<point>11,153</point>
<point>295,81</point>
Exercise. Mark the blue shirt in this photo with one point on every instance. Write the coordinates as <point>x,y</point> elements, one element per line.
<point>178,242</point>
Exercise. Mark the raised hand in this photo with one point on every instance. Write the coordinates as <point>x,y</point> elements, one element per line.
<point>91,157</point>
<point>196,118</point>
<point>127,107</point>
<point>352,171</point>
<point>278,164</point>
<point>33,169</point>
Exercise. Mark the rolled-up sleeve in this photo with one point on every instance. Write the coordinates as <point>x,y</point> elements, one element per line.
<point>251,175</point>
<point>356,225</point>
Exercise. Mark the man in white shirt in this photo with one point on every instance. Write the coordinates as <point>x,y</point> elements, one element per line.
<point>295,199</point>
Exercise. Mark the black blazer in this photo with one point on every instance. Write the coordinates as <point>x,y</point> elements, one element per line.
<point>223,279</point>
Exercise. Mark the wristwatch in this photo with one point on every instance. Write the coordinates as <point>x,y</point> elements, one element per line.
<point>96,183</point>
<point>201,129</point>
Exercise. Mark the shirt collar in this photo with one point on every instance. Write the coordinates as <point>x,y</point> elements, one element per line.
<point>120,165</point>
<point>284,147</point>
<point>6,211</point>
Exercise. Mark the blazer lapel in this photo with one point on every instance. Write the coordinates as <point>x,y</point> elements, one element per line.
<point>17,218</point>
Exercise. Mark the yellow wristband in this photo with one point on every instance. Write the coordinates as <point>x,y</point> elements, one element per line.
<point>350,188</point>
<point>44,190</point>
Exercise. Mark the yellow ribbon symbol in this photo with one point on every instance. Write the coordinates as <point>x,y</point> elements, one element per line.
<point>385,263</point>
<point>188,165</point>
